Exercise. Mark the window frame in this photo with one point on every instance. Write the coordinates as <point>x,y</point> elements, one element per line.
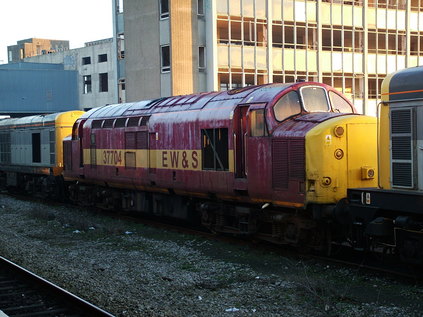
<point>330,93</point>
<point>103,84</point>
<point>87,84</point>
<point>86,60</point>
<point>163,66</point>
<point>252,114</point>
<point>294,114</point>
<point>215,150</point>
<point>200,7</point>
<point>164,14</point>
<point>302,99</point>
<point>202,57</point>
<point>102,58</point>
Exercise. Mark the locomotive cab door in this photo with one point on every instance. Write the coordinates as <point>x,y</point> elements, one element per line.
<point>240,137</point>
<point>80,134</point>
<point>257,151</point>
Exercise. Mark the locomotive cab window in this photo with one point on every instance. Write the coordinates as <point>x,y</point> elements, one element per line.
<point>258,123</point>
<point>314,99</point>
<point>339,104</point>
<point>287,106</point>
<point>215,153</point>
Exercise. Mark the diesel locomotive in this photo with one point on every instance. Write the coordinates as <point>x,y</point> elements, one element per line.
<point>31,152</point>
<point>270,161</point>
<point>390,217</point>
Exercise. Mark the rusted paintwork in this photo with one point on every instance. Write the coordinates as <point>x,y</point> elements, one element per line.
<point>170,149</point>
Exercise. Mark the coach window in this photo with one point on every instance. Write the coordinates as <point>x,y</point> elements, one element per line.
<point>36,147</point>
<point>339,104</point>
<point>314,99</point>
<point>258,123</point>
<point>289,105</point>
<point>215,153</point>
<point>133,122</point>
<point>120,123</point>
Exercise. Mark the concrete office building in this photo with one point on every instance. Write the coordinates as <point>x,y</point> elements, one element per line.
<point>185,46</point>
<point>119,48</point>
<point>96,66</point>
<point>33,47</point>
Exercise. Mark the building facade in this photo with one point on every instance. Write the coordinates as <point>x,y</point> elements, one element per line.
<point>33,47</point>
<point>119,48</point>
<point>185,46</point>
<point>96,67</point>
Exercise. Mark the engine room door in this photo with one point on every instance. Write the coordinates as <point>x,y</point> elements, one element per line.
<point>240,141</point>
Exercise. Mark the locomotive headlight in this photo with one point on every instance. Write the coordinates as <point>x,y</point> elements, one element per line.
<point>339,154</point>
<point>367,172</point>
<point>338,131</point>
<point>326,181</point>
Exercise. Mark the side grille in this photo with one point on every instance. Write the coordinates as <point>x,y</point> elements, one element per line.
<point>401,173</point>
<point>288,161</point>
<point>67,155</point>
<point>401,148</point>
<point>296,159</point>
<point>280,163</point>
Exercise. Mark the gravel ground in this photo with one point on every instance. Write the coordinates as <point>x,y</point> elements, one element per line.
<point>133,270</point>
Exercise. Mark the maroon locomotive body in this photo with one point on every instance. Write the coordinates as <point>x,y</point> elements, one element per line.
<point>227,156</point>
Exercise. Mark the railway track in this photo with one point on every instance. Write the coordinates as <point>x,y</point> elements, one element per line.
<point>383,264</point>
<point>23,293</point>
<point>343,256</point>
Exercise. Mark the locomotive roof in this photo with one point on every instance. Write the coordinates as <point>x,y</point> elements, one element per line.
<point>31,120</point>
<point>231,98</point>
<point>403,85</point>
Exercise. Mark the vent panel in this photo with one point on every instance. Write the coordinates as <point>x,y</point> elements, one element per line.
<point>401,121</point>
<point>288,161</point>
<point>402,148</point>
<point>296,159</point>
<point>402,175</point>
<point>280,163</point>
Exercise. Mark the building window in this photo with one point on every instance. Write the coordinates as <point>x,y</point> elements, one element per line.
<point>164,9</point>
<point>165,58</point>
<point>200,7</point>
<point>119,5</point>
<point>102,58</point>
<point>87,84</point>
<point>201,57</point>
<point>121,46</point>
<point>86,60</point>
<point>104,82</point>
